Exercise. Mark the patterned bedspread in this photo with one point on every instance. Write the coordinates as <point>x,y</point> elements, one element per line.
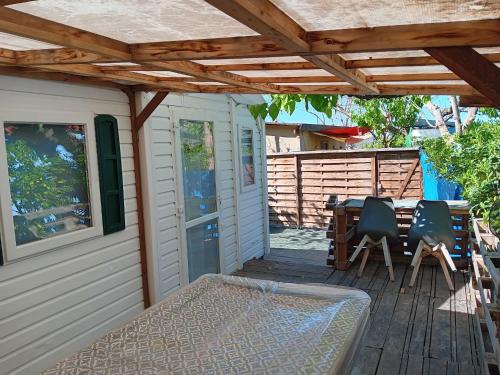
<point>233,325</point>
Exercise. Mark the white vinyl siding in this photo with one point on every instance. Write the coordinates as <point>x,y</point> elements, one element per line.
<point>158,145</point>
<point>252,203</point>
<point>55,303</point>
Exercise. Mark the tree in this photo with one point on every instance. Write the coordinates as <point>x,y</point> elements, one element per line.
<point>471,159</point>
<point>321,103</point>
<point>442,115</point>
<point>389,118</point>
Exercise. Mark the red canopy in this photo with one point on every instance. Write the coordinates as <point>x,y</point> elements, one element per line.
<point>344,131</point>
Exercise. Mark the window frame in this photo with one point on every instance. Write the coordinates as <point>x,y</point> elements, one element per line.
<point>245,188</point>
<point>11,250</point>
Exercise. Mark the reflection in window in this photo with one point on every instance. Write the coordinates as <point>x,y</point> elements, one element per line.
<point>203,249</point>
<point>198,168</point>
<point>247,161</point>
<point>48,179</point>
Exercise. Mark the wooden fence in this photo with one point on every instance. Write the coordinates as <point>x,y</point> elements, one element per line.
<point>300,183</point>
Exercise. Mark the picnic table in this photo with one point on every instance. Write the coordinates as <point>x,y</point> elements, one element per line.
<point>342,229</point>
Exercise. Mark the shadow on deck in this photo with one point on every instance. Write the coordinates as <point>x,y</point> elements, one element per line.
<point>420,330</point>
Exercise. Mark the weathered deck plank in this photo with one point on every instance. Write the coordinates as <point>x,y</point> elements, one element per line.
<point>420,330</point>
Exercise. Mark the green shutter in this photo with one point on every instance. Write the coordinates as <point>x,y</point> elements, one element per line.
<point>110,173</point>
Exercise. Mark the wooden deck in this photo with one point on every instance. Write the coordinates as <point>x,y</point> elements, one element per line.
<point>420,330</point>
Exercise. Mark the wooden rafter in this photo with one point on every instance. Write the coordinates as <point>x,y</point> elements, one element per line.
<point>473,68</point>
<point>322,79</point>
<point>80,57</point>
<point>131,77</point>
<point>270,21</point>
<point>57,76</point>
<point>7,56</point>
<point>350,64</point>
<point>29,26</point>
<point>405,61</point>
<point>73,56</point>
<point>475,101</point>
<point>482,33</point>
<point>385,89</point>
<point>12,2</point>
<point>369,78</point>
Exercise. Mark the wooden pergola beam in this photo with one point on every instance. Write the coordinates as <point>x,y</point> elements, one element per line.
<point>270,21</point>
<point>74,56</point>
<point>12,2</point>
<point>131,77</point>
<point>29,26</point>
<point>57,76</point>
<point>385,89</point>
<point>198,70</point>
<point>473,68</point>
<point>481,33</point>
<point>7,56</point>
<point>323,79</point>
<point>475,101</point>
<point>369,78</point>
<point>350,64</point>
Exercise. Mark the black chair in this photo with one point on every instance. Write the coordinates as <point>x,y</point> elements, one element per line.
<point>377,224</point>
<point>431,233</point>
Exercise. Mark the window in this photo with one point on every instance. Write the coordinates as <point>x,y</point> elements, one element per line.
<point>47,199</point>
<point>324,145</point>
<point>198,167</point>
<point>247,158</point>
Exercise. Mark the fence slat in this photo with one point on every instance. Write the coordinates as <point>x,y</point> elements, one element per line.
<point>299,184</point>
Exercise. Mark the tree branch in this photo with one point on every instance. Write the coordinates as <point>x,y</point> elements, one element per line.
<point>471,115</point>
<point>456,114</point>
<point>438,116</point>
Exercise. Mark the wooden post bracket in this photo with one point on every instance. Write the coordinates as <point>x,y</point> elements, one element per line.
<point>149,109</point>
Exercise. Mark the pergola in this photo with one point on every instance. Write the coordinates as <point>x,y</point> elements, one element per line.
<point>366,47</point>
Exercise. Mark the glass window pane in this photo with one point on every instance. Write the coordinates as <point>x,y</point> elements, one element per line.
<point>247,157</point>
<point>203,249</point>
<point>198,168</point>
<point>48,179</point>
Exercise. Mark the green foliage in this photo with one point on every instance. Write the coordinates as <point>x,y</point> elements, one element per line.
<point>43,179</point>
<point>197,144</point>
<point>287,103</point>
<point>390,119</point>
<point>492,113</point>
<point>472,160</point>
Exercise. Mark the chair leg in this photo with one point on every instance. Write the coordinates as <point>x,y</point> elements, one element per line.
<point>418,252</point>
<point>445,271</point>
<point>359,248</point>
<point>387,257</point>
<point>415,271</point>
<point>447,256</point>
<point>363,261</point>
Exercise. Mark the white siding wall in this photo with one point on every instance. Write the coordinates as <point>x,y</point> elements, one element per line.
<point>253,202</point>
<point>55,303</point>
<point>163,229</point>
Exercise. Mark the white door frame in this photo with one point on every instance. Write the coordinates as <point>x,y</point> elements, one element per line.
<point>194,115</point>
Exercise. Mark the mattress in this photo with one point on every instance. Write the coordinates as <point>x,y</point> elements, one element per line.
<point>234,325</point>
